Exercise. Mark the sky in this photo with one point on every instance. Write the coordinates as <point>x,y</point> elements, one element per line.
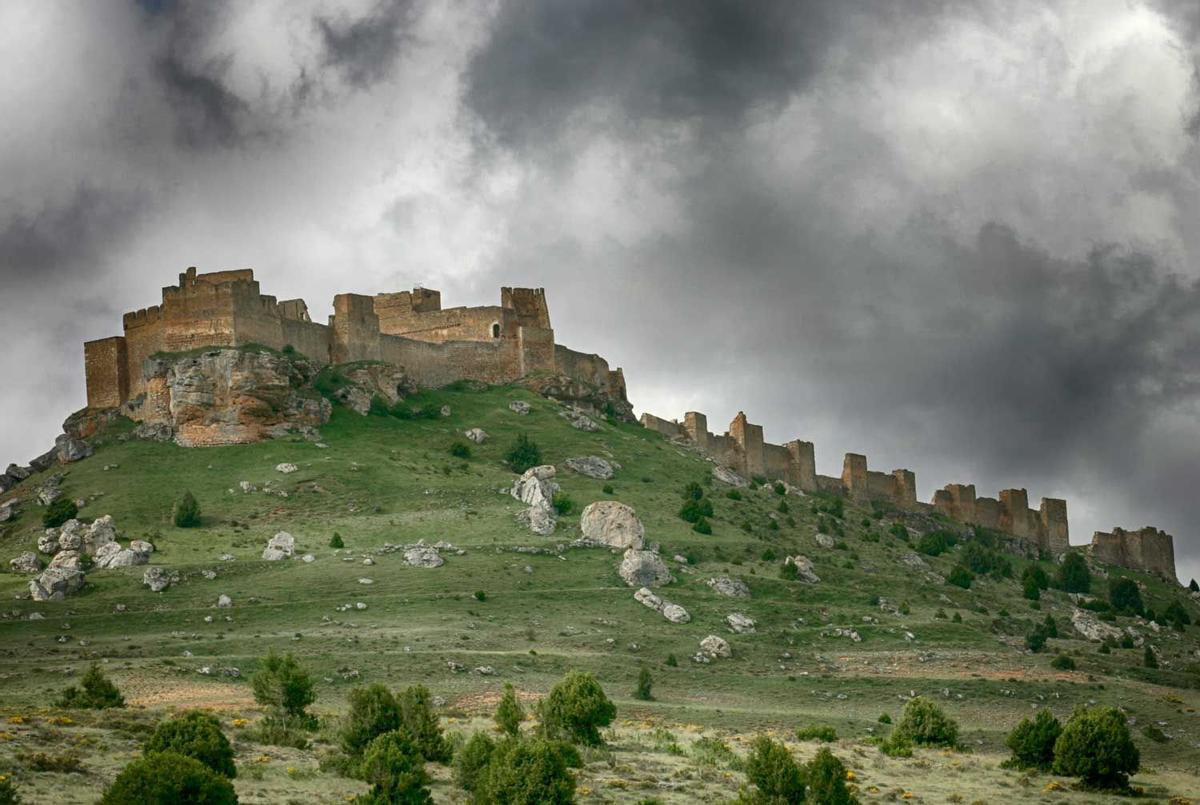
<point>959,236</point>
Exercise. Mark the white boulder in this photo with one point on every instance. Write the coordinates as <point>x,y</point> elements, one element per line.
<point>613,524</point>
<point>643,569</point>
<point>715,646</point>
<point>280,546</point>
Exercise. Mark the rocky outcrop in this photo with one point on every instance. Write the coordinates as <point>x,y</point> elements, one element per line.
<point>1091,627</point>
<point>519,407</point>
<point>612,524</point>
<point>71,449</point>
<point>672,612</point>
<point>280,546</point>
<point>27,562</point>
<point>643,569</point>
<point>730,588</point>
<point>56,583</point>
<point>728,476</point>
<point>804,568</point>
<point>423,556</point>
<point>580,420</point>
<point>536,488</point>
<point>579,394</point>
<point>740,623</point>
<point>591,466</point>
<point>366,381</point>
<point>158,578</point>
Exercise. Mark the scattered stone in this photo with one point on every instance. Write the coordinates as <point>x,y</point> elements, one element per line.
<point>612,524</point>
<point>366,581</point>
<point>368,561</point>
<point>715,646</point>
<point>672,612</point>
<point>280,546</point>
<point>641,568</point>
<point>48,542</point>
<point>247,487</point>
<point>27,562</point>
<point>141,546</point>
<point>852,634</point>
<point>286,468</point>
<point>224,601</point>
<point>580,420</point>
<point>536,487</point>
<point>728,476</point>
<point>423,556</point>
<point>210,575</point>
<point>485,670</point>
<point>477,435</point>
<point>455,667</point>
<point>359,605</point>
<point>740,623</point>
<point>71,449</point>
<point>519,407</point>
<point>445,410</point>
<point>308,559</point>
<point>36,616</point>
<point>541,520</point>
<point>591,466</point>
<point>731,588</point>
<point>158,578</point>
<point>1091,627</point>
<point>804,568</point>
<point>825,541</point>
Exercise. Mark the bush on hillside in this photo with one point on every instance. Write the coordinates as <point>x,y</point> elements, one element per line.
<point>59,512</point>
<point>693,510</point>
<point>168,777</point>
<point>826,778</point>
<point>509,713</point>
<point>1176,615</point>
<point>1032,742</point>
<point>575,709</point>
<point>563,503</point>
<point>1125,597</point>
<point>471,762</point>
<point>373,711</point>
<point>1149,658</point>
<point>702,526</point>
<point>1062,663</point>
<point>982,560</point>
<point>1073,574</point>
<point>395,770</point>
<point>95,692</point>
<point>936,543</point>
<point>924,723</point>
<point>693,491</point>
<point>526,771</point>
<point>8,791</point>
<point>645,685</point>
<point>817,732</point>
<point>282,685</point>
<point>523,454</point>
<point>378,406</point>
<point>420,724</point>
<point>1035,641</point>
<point>460,449</point>
<point>959,576</point>
<point>187,511</point>
<point>336,541</point>
<point>899,531</point>
<point>197,735</point>
<point>773,773</point>
<point>1095,746</point>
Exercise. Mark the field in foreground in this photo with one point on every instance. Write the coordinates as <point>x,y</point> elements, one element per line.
<point>527,617</point>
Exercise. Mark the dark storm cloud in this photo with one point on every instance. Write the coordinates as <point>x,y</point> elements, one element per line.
<point>365,49</point>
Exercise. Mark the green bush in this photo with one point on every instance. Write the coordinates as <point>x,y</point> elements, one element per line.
<point>1125,597</point>
<point>1073,574</point>
<point>1062,663</point>
<point>1032,742</point>
<point>282,685</point>
<point>395,770</point>
<point>1193,586</point>
<point>167,777</point>
<point>471,762</point>
<point>95,692</point>
<point>1095,746</point>
<point>884,718</point>
<point>693,510</point>
<point>277,728</point>
<point>924,723</point>
<point>817,732</point>
<point>607,489</point>
<point>187,511</point>
<point>693,491</point>
<point>899,531</point>
<point>562,502</point>
<point>509,713</point>
<point>1050,626</point>
<point>779,488</point>
<point>1176,615</point>
<point>789,572</point>
<point>575,709</point>
<point>197,735</point>
<point>523,454</point>
<point>1035,641</point>
<point>8,791</point>
<point>982,560</point>
<point>936,543</point>
<point>702,526</point>
<point>773,772</point>
<point>523,772</point>
<point>1149,659</point>
<point>960,577</point>
<point>373,711</point>
<point>460,449</point>
<point>336,541</point>
<point>420,724</point>
<point>378,406</point>
<point>734,494</point>
<point>59,512</point>
<point>645,685</point>
<point>826,777</point>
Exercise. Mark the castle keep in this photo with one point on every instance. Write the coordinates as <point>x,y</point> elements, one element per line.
<point>743,449</point>
<point>410,329</point>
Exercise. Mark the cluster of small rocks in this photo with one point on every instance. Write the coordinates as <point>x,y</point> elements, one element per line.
<point>730,588</point>
<point>519,407</point>
<point>580,420</point>
<point>536,489</point>
<point>672,612</point>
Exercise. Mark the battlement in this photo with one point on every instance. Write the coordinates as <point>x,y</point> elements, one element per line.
<point>1147,549</point>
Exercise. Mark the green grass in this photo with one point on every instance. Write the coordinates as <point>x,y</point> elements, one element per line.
<point>383,480</point>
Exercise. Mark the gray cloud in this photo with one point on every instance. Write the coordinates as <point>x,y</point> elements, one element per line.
<point>364,50</point>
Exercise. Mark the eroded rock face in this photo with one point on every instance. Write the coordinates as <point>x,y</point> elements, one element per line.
<point>591,466</point>
<point>536,486</point>
<point>804,568</point>
<point>612,523</point>
<point>158,578</point>
<point>581,394</point>
<point>371,380</point>
<point>643,569</point>
<point>280,546</point>
<point>731,588</point>
<point>71,449</point>
<point>540,520</point>
<point>27,562</point>
<point>56,583</point>
<point>68,560</point>
<point>728,476</point>
<point>1091,627</point>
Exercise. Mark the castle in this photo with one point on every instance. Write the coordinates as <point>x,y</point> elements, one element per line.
<point>743,449</point>
<point>410,329</point>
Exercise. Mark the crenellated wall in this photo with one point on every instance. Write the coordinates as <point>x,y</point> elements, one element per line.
<point>1148,550</point>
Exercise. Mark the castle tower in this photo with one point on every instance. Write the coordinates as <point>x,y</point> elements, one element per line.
<point>854,476</point>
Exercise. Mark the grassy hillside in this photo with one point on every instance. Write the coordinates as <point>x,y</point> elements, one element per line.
<point>531,617</point>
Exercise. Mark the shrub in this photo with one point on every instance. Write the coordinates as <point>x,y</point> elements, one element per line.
<point>1062,663</point>
<point>420,725</point>
<point>509,713</point>
<point>1073,574</point>
<point>826,777</point>
<point>779,488</point>
<point>960,577</point>
<point>734,494</point>
<point>773,772</point>
<point>693,491</point>
<point>1038,576</point>
<point>59,512</point>
<point>693,510</point>
<point>1050,626</point>
<point>281,684</point>
<point>187,511</point>
<point>395,770</point>
<point>817,732</point>
<point>924,723</point>
<point>1124,596</point>
<point>378,406</point>
<point>523,454</point>
<point>884,718</point>
<point>95,692</point>
<point>1177,616</point>
<point>562,502</point>
<point>336,541</point>
<point>782,508</point>
<point>8,791</point>
<point>460,449</point>
<point>672,662</point>
<point>373,711</point>
<point>1194,587</point>
<point>167,777</point>
<point>1035,641</point>
<point>702,526</point>
<point>982,560</point>
<point>197,735</point>
<point>645,684</point>
<point>1148,658</point>
<point>789,572</point>
<point>526,771</point>
<point>277,728</point>
<point>607,489</point>
<point>1095,746</point>
<point>471,762</point>
<point>899,532</point>
<point>1032,742</point>
<point>575,709</point>
<point>936,543</point>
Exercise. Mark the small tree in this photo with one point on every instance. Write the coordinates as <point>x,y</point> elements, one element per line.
<point>1124,596</point>
<point>8,791</point>
<point>1073,574</point>
<point>460,449</point>
<point>1095,746</point>
<point>960,577</point>
<point>373,711</point>
<point>1032,742</point>
<point>1035,641</point>
<point>282,685</point>
<point>336,541</point>
<point>826,778</point>
<point>526,771</point>
<point>523,454</point>
<point>773,772</point>
<point>471,762</point>
<point>1149,658</point>
<point>575,709</point>
<point>509,713</point>
<point>395,770</point>
<point>187,511</point>
<point>420,725</point>
<point>923,722</point>
<point>197,735</point>
<point>644,685</point>
<point>59,512</point>
<point>1194,587</point>
<point>702,526</point>
<point>163,777</point>
<point>1177,616</point>
<point>95,692</point>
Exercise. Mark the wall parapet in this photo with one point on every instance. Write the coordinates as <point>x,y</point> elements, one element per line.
<point>1148,550</point>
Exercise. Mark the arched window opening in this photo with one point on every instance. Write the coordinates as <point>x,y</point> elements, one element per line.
<point>496,330</point>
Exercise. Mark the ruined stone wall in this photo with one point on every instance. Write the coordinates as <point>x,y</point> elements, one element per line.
<point>309,339</point>
<point>354,329</point>
<point>433,364</point>
<point>776,461</point>
<point>671,430</point>
<point>452,324</point>
<point>143,337</point>
<point>106,369</point>
<point>198,313</point>
<point>528,306</point>
<point>1148,550</point>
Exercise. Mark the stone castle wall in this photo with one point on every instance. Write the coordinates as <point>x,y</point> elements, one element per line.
<point>1146,549</point>
<point>492,344</point>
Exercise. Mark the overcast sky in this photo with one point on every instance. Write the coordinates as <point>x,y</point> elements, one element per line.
<point>960,237</point>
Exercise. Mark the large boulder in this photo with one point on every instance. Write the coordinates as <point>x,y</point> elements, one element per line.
<point>71,449</point>
<point>8,510</point>
<point>158,578</point>
<point>141,546</point>
<point>643,569</point>
<point>48,542</point>
<point>613,524</point>
<point>541,520</point>
<point>280,546</point>
<point>728,476</point>
<point>56,583</point>
<point>591,466</point>
<point>731,588</point>
<point>70,536</point>
<point>535,487</point>
<point>17,473</point>
<point>67,560</point>
<point>825,541</point>
<point>27,562</point>
<point>102,532</point>
<point>740,623</point>
<point>113,555</point>
<point>477,435</point>
<point>804,568</point>
<point>423,556</point>
<point>1091,627</point>
<point>715,646</point>
<point>519,407</point>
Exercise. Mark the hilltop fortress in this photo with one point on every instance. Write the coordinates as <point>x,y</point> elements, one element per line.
<point>1045,529</point>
